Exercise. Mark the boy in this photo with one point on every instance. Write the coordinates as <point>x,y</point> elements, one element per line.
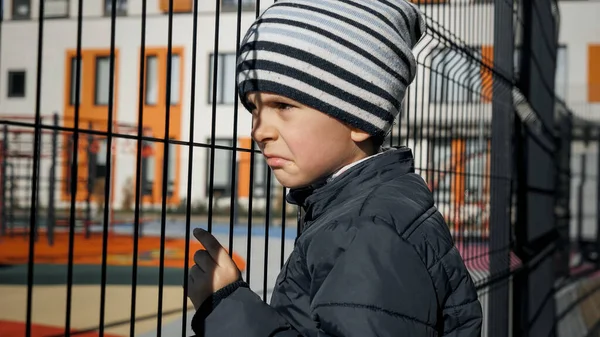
<point>324,80</point>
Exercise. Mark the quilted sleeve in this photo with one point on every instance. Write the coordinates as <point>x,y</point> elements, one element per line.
<point>461,312</point>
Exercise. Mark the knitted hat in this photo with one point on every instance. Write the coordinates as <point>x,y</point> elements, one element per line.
<point>350,59</point>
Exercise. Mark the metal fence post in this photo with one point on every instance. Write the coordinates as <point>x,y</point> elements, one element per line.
<point>91,159</point>
<point>580,189</point>
<point>498,319</point>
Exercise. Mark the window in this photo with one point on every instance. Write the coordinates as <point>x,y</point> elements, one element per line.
<point>260,175</point>
<point>74,66</point>
<point>232,5</point>
<point>102,90</point>
<point>225,78</point>
<point>222,168</point>
<point>56,8</point>
<point>148,169</point>
<point>99,157</point>
<point>151,80</point>
<point>560,79</point>
<point>153,67</point>
<point>16,84</point>
<point>175,78</point>
<point>455,77</point>
<point>21,9</point>
<point>121,7</point>
<point>172,166</point>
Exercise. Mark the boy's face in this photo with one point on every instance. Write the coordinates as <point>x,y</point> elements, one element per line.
<point>301,144</point>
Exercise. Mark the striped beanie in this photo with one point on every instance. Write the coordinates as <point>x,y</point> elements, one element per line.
<point>350,59</point>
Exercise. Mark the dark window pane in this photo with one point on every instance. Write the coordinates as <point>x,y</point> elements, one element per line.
<point>121,7</point>
<point>21,9</point>
<point>16,83</point>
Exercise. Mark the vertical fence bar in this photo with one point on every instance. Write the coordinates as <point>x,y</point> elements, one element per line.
<point>267,225</point>
<point>74,168</point>
<point>92,157</point>
<point>138,169</point>
<point>234,202</point>
<point>165,172</point>
<point>215,72</point>
<point>501,167</point>
<point>188,208</point>
<point>250,210</point>
<point>580,198</point>
<point>35,170</point>
<point>108,160</point>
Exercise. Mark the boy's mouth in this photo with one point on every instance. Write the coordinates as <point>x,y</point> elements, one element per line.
<point>274,161</point>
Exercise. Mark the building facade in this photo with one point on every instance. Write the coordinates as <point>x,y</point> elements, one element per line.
<point>447,81</point>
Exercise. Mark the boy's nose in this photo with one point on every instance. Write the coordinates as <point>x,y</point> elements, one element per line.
<point>262,132</point>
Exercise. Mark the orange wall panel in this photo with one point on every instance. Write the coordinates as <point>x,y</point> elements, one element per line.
<point>458,181</point>
<point>244,168</point>
<point>487,53</point>
<point>181,6</point>
<point>594,74</point>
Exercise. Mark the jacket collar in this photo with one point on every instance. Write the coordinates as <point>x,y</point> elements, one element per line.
<point>316,198</point>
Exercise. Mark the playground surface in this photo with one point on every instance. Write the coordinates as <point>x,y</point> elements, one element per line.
<point>268,250</point>
<point>51,268</point>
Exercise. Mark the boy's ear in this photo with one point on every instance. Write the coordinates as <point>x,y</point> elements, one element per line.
<point>358,135</point>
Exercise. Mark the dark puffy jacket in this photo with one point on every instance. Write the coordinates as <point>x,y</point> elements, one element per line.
<point>375,258</point>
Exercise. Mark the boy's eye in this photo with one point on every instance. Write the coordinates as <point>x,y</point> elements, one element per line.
<point>282,106</point>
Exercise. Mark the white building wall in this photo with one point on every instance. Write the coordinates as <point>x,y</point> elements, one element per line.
<point>19,42</point>
<point>579,28</point>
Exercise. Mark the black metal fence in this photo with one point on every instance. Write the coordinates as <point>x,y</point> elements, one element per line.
<point>489,135</point>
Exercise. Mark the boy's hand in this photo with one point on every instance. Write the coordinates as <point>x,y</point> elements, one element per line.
<point>214,269</point>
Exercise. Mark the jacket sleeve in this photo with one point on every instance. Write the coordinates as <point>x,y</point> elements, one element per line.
<point>461,310</point>
<point>238,311</point>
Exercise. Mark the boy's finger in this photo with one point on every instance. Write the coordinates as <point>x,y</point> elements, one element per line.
<point>203,260</point>
<point>209,242</point>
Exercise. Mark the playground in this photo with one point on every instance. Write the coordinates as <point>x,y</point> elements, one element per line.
<point>77,246</point>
